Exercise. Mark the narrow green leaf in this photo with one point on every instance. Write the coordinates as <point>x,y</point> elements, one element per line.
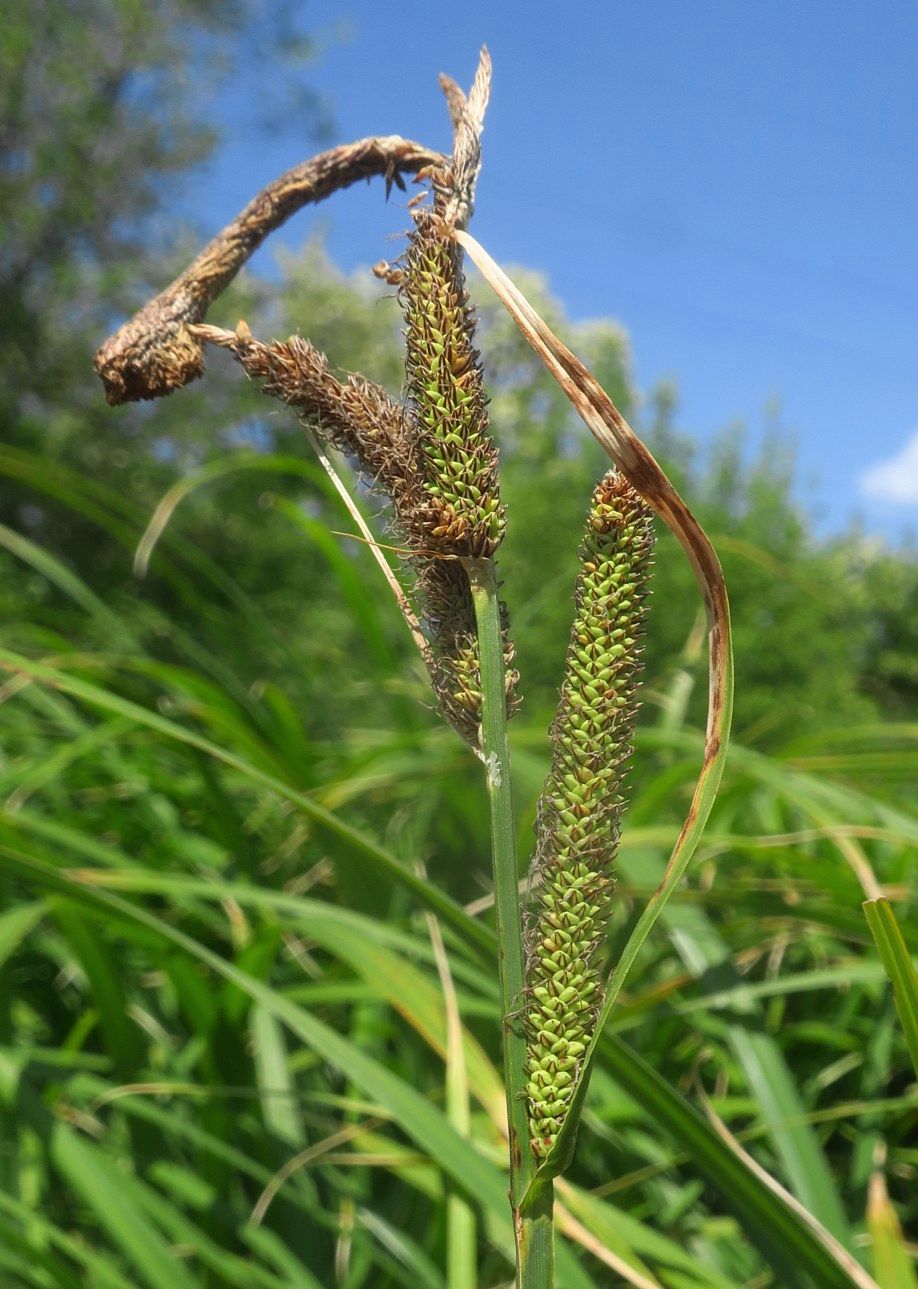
<point>15,925</point>
<point>270,1247</point>
<point>788,1240</point>
<point>898,966</point>
<point>240,1273</point>
<point>406,1251</point>
<point>419,1120</point>
<point>279,1101</point>
<point>92,955</point>
<point>68,582</point>
<point>776,1094</point>
<point>784,1114</point>
<point>99,1185</point>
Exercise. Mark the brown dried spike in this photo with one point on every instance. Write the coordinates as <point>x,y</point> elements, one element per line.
<point>355,416</point>
<point>361,420</point>
<point>156,351</point>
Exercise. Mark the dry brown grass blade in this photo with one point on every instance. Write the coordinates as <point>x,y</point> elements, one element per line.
<point>623,446</point>
<point>837,1251</point>
<point>634,460</point>
<point>154,353</point>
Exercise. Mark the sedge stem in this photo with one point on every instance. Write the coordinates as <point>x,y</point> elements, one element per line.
<point>533,1227</point>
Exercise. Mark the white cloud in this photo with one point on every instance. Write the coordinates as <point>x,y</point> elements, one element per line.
<point>895,479</point>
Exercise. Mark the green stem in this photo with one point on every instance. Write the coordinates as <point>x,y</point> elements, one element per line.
<point>533,1226</point>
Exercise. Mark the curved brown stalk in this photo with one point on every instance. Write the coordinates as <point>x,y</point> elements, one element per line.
<point>155,353</point>
<point>616,437</point>
<point>634,460</point>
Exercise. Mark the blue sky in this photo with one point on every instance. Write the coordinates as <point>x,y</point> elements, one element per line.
<point>736,183</point>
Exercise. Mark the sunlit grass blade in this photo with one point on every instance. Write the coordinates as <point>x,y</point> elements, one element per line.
<point>99,1268</point>
<point>15,925</point>
<point>842,1258</point>
<point>24,1261</point>
<point>702,949</point>
<point>765,1218</point>
<point>67,581</point>
<point>892,1263</point>
<point>635,1243</point>
<point>270,1247</point>
<point>898,966</point>
<point>279,1099</point>
<point>414,1263</point>
<point>116,514</point>
<point>461,1241</point>
<point>92,956</point>
<point>209,473</point>
<point>784,1115</point>
<point>785,1238</point>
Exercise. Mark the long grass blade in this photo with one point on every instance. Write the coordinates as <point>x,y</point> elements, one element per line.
<point>780,1226</point>
<point>842,1258</point>
<point>898,966</point>
<point>97,1182</point>
<point>893,1267</point>
<point>473,1175</point>
<point>461,1272</point>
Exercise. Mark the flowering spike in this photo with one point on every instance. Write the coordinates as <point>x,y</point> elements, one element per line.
<point>379,436</point>
<point>446,393</point>
<point>582,802</point>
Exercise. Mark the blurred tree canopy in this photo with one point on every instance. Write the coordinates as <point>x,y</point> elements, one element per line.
<point>99,120</point>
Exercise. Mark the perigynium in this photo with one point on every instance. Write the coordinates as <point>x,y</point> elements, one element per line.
<point>582,802</point>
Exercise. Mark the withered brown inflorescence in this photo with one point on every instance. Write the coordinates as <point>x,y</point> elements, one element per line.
<point>379,437</point>
<point>432,459</point>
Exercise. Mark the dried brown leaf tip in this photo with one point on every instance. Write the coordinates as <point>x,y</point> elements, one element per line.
<point>156,351</point>
<point>582,803</point>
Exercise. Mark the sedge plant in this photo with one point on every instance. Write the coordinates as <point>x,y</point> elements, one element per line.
<point>431,459</point>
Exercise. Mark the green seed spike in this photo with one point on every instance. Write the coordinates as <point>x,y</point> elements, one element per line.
<point>582,802</point>
<point>446,392</point>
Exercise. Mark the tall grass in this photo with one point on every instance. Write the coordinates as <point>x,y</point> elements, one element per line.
<point>205,1006</point>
